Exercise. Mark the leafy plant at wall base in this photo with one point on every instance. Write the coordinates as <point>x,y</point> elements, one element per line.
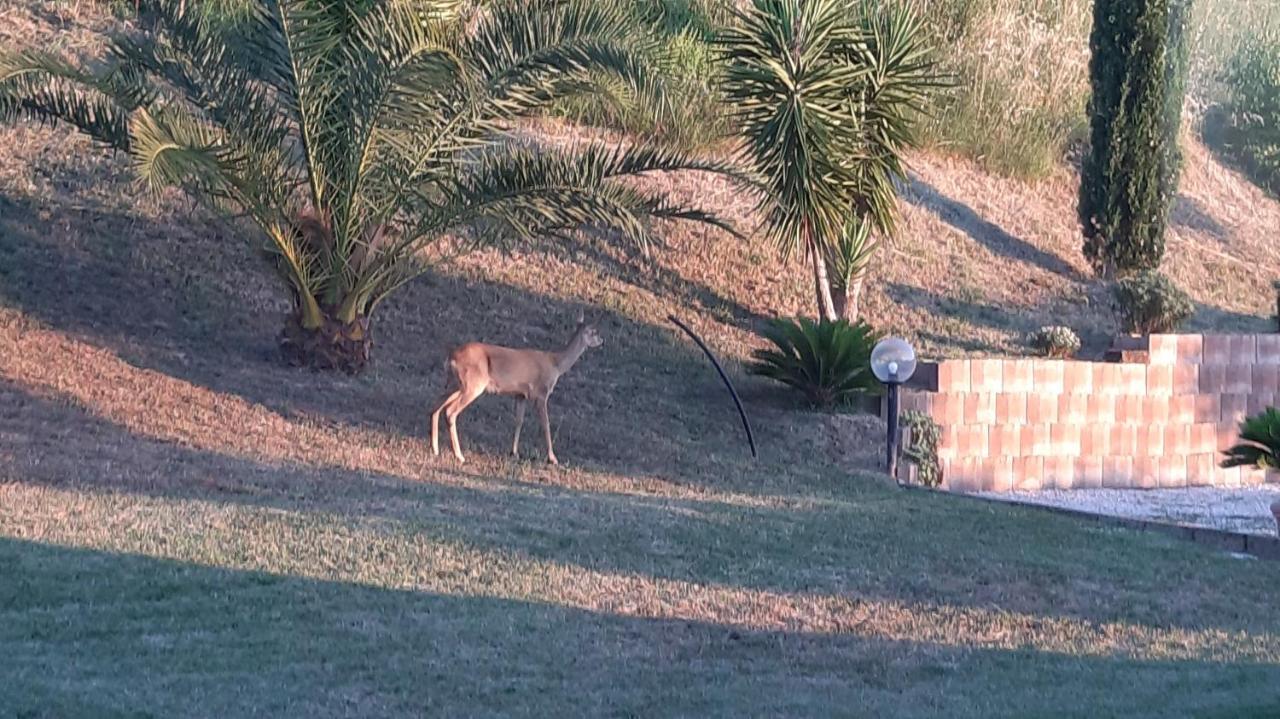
<point>1056,342</point>
<point>1149,303</point>
<point>1259,444</point>
<point>829,361</point>
<point>363,140</point>
<point>921,447</point>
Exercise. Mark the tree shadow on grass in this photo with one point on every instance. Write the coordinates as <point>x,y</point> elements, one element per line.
<point>96,633</point>
<point>986,233</point>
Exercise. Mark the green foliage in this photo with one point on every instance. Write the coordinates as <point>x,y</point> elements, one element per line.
<point>1057,342</point>
<point>358,136</point>
<point>1259,444</point>
<point>1149,303</point>
<point>1252,135</point>
<point>921,447</point>
<point>828,361</point>
<point>1130,174</point>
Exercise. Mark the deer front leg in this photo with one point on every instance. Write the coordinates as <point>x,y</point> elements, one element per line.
<point>515,444</point>
<point>546,430</point>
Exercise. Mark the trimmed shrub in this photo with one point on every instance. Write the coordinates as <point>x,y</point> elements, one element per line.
<point>1130,175</point>
<point>828,361</point>
<point>1056,342</point>
<point>1259,444</point>
<point>1149,303</point>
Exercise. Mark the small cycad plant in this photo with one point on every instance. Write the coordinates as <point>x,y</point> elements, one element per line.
<point>1259,444</point>
<point>1056,342</point>
<point>827,361</point>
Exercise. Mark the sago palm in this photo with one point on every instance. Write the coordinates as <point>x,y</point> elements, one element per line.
<point>825,94</point>
<point>354,134</point>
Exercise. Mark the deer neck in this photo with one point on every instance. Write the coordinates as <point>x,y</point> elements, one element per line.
<point>567,357</point>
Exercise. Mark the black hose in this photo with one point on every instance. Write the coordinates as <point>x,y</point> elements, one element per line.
<point>741,412</point>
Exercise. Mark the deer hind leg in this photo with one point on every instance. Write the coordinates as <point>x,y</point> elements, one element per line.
<point>466,396</point>
<point>449,398</point>
<point>515,444</point>
<point>546,429</point>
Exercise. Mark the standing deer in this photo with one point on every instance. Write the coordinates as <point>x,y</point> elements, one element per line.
<point>524,374</point>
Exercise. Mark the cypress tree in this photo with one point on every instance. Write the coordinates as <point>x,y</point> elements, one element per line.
<point>1130,174</point>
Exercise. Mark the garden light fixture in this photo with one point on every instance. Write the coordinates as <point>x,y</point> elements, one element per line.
<point>893,361</point>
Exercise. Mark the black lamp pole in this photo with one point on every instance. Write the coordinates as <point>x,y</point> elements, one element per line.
<point>891,441</point>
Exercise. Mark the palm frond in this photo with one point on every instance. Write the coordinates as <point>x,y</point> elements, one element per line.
<point>45,87</point>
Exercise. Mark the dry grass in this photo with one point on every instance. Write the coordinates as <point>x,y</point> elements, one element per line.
<point>188,528</point>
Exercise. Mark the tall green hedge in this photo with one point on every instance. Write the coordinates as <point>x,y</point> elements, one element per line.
<point>1130,175</point>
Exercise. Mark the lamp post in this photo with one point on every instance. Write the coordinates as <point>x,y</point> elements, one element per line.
<point>893,361</point>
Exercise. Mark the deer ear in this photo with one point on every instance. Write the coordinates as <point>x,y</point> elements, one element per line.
<point>582,318</point>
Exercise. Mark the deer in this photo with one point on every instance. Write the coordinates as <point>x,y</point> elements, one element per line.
<point>525,374</point>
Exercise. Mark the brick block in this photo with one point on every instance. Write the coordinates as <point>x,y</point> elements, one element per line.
<point>1065,439</point>
<point>1190,349</point>
<point>1042,408</point>
<point>1028,474</point>
<point>1089,472</point>
<point>1173,472</point>
<point>948,409</point>
<point>1155,410</point>
<point>1134,377</point>
<point>949,442</point>
<point>1244,349</point>
<point>1002,474</point>
<point>1208,408</point>
<point>973,441</point>
<point>1259,401</point>
<point>1268,349</point>
<point>1150,441</point>
<point>1239,379</point>
<point>1265,378</point>
<point>1124,440</point>
<point>986,375</point>
<point>1077,377</point>
<point>1117,472</point>
<point>1018,376</point>
<point>1095,439</point>
<point>1073,408</point>
<point>1059,472</point>
<point>1182,409</point>
<point>983,474</point>
<point>1101,408</point>
<point>1227,436</point>
<point>1233,477</point>
<point>1200,470</point>
<point>1005,440</point>
<point>959,476</point>
<point>953,376</point>
<point>1159,380</point>
<point>1204,438</point>
<point>922,402</point>
<point>1213,379</point>
<point>1234,408</point>
<point>1186,379</point>
<point>1011,408</point>
<point>1036,440</point>
<point>1217,350</point>
<point>1130,410</point>
<point>1177,439</point>
<point>1048,376</point>
<point>1107,379</point>
<point>979,408</point>
<point>1250,477</point>
<point>1146,471</point>
<point>1163,349</point>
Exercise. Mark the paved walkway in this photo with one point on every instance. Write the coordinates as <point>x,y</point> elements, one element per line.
<point>1238,510</point>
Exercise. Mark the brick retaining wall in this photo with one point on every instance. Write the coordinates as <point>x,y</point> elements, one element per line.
<point>1160,419</point>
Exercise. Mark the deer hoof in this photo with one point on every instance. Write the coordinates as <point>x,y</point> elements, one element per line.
<point>552,461</point>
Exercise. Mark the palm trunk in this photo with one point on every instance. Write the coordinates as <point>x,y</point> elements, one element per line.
<point>848,301</point>
<point>334,345</point>
<point>821,282</point>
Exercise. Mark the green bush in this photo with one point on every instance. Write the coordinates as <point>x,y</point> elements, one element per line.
<point>1057,342</point>
<point>1149,303</point>
<point>828,361</point>
<point>1259,444</point>
<point>921,448</point>
<point>1130,174</point>
<point>1252,133</point>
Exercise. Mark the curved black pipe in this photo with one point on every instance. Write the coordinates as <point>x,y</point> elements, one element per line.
<point>741,412</point>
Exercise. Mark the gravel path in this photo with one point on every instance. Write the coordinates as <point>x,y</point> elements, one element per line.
<point>1237,510</point>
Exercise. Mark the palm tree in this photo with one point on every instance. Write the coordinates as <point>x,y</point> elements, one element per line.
<point>826,94</point>
<point>356,135</point>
